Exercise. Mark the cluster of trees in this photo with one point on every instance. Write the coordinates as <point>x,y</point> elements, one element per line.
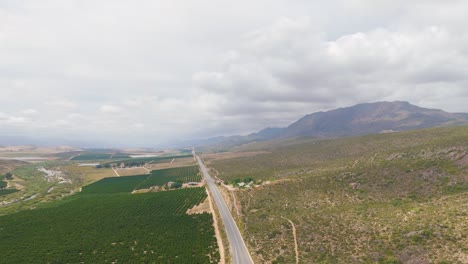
<point>4,184</point>
<point>239,180</point>
<point>176,185</point>
<point>8,176</point>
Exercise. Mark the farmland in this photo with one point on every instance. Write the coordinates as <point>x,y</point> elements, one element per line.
<point>149,160</point>
<point>116,227</point>
<point>99,156</point>
<point>115,184</point>
<point>387,198</point>
<point>161,177</point>
<point>156,178</point>
<point>48,222</point>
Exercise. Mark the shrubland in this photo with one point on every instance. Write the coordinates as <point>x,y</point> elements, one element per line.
<point>385,198</point>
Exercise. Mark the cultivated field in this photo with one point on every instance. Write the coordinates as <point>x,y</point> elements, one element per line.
<point>387,198</point>
<point>136,182</point>
<point>99,156</point>
<point>105,223</point>
<point>116,227</point>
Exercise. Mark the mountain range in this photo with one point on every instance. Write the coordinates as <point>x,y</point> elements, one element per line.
<point>361,119</point>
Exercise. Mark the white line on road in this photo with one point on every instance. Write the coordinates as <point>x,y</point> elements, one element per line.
<point>239,251</point>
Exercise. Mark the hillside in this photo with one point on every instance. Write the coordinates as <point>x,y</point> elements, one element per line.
<point>371,118</point>
<point>361,119</point>
<point>385,198</point>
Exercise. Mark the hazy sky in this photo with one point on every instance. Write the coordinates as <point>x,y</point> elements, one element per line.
<point>149,72</point>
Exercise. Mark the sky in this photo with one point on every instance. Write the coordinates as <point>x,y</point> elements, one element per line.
<point>114,73</point>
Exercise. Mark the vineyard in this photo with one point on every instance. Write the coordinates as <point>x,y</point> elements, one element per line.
<point>156,178</point>
<point>99,156</point>
<point>125,184</point>
<point>132,162</point>
<point>116,227</point>
<point>161,177</point>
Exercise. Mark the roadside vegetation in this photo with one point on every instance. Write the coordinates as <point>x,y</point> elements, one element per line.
<point>386,198</point>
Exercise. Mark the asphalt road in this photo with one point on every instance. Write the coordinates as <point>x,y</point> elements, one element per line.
<point>239,252</point>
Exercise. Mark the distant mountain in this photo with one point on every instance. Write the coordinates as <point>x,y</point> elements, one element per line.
<point>361,119</point>
<point>371,118</point>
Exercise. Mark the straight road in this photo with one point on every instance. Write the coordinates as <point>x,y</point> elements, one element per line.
<point>239,252</point>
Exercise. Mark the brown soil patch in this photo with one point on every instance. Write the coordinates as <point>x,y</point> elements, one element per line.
<point>131,171</point>
<point>204,207</point>
<point>90,174</point>
<point>180,162</point>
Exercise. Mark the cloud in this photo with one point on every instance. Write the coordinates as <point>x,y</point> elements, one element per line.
<point>157,71</point>
<point>30,111</point>
<point>110,109</point>
<point>291,62</point>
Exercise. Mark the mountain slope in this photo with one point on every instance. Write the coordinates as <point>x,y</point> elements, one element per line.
<point>371,118</point>
<point>382,198</point>
<point>361,119</point>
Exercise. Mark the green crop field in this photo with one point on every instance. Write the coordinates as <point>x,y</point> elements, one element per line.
<point>115,184</point>
<point>152,160</point>
<point>113,227</point>
<point>161,177</point>
<point>99,156</point>
<point>156,178</point>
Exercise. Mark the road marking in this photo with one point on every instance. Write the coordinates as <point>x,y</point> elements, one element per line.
<point>239,251</point>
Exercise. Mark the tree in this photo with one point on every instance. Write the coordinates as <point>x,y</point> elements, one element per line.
<point>9,176</point>
<point>176,185</point>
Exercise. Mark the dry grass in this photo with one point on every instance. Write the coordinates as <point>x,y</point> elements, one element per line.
<point>394,198</point>
<point>88,174</point>
<point>208,157</point>
<point>131,171</point>
<point>203,207</point>
<point>178,162</point>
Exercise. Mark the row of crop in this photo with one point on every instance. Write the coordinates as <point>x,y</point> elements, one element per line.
<point>133,162</point>
<point>123,184</point>
<point>161,177</point>
<point>156,178</point>
<point>122,228</point>
<point>100,156</point>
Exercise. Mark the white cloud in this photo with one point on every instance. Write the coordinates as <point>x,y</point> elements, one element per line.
<point>30,111</point>
<point>158,70</point>
<point>110,109</point>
